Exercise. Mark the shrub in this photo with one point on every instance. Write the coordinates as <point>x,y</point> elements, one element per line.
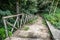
<point>3,13</point>
<point>2,30</point>
<point>28,6</point>
<point>54,18</point>
<point>2,33</point>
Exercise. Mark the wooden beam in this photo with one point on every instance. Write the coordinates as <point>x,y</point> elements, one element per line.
<point>11,25</point>
<point>5,27</point>
<point>12,16</point>
<point>14,24</point>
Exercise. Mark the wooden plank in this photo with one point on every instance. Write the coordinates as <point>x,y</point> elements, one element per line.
<point>55,32</point>
<point>23,19</point>
<point>18,21</point>
<point>21,22</point>
<point>14,24</point>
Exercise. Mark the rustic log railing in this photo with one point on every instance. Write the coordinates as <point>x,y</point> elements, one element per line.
<point>19,21</point>
<point>13,25</point>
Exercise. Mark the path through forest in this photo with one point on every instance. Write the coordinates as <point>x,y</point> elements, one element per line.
<point>37,31</point>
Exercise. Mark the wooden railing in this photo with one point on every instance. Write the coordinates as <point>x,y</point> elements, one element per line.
<point>21,19</point>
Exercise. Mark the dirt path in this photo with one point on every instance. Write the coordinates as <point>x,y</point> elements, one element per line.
<point>38,30</point>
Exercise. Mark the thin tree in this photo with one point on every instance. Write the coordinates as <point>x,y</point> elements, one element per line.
<point>56,6</point>
<point>17,6</point>
<point>51,6</point>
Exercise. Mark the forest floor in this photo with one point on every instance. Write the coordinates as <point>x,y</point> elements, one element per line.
<point>37,30</point>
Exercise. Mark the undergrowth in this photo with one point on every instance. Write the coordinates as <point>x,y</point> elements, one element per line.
<point>54,18</point>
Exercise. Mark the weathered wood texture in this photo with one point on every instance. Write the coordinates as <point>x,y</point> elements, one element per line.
<point>19,21</point>
<point>55,32</point>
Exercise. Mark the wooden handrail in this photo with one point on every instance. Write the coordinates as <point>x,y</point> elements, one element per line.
<point>12,16</point>
<point>18,21</point>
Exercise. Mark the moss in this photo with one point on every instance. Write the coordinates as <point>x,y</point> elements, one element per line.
<point>26,28</point>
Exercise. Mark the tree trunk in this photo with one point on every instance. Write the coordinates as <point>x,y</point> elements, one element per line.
<point>56,6</point>
<point>17,6</point>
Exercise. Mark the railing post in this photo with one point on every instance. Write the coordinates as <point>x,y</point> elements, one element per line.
<point>5,27</point>
<point>22,19</point>
<point>18,21</point>
<point>25,19</point>
<point>15,23</point>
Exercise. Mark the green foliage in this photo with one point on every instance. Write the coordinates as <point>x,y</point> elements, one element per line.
<point>54,18</point>
<point>8,7</point>
<point>28,6</point>
<point>44,5</point>
<point>10,33</point>
<point>3,13</point>
<point>2,33</point>
<point>31,21</point>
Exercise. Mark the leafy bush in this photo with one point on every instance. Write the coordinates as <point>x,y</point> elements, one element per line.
<point>10,33</point>
<point>2,30</point>
<point>54,18</point>
<point>3,13</point>
<point>2,34</point>
<point>31,21</point>
<point>44,5</point>
<point>28,6</point>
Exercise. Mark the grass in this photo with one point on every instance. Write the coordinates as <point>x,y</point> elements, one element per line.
<point>32,20</point>
<point>3,35</point>
<point>26,28</point>
<point>54,18</point>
